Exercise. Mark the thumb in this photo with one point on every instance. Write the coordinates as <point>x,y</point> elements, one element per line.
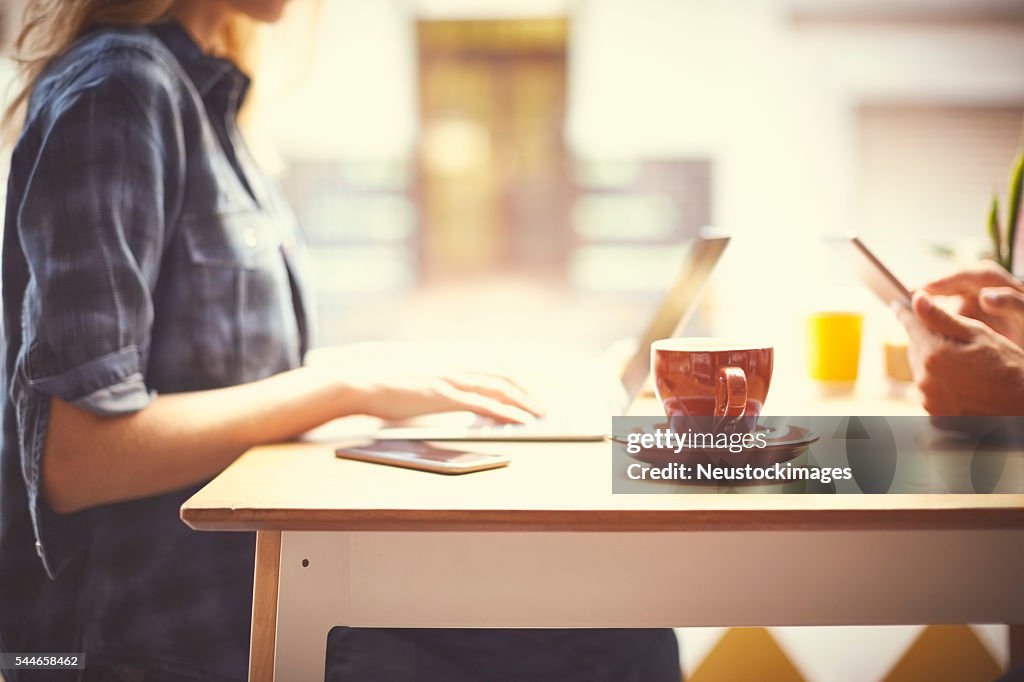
<point>941,321</point>
<point>1001,301</point>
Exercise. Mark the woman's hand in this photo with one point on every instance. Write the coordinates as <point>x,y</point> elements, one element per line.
<point>987,293</point>
<point>398,381</point>
<point>961,365</point>
<point>404,396</point>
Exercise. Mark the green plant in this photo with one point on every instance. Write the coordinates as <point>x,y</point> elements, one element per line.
<point>1003,243</point>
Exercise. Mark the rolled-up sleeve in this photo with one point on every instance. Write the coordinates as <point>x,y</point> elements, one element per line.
<point>92,225</point>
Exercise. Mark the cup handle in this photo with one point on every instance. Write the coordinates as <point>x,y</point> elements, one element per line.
<point>731,394</point>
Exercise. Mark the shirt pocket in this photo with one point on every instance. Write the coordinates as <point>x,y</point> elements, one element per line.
<point>240,307</point>
<point>243,239</point>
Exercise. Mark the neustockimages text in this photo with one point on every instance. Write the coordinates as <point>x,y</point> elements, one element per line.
<point>709,472</point>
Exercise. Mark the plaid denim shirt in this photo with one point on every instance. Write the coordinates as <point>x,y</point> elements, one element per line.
<point>143,253</point>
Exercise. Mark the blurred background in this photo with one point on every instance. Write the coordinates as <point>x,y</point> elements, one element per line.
<point>487,169</point>
<point>483,169</point>
<point>529,171</point>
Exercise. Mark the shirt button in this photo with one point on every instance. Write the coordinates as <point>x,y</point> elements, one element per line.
<point>251,238</point>
<point>39,549</point>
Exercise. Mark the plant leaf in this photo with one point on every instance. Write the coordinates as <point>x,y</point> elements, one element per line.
<point>1016,178</point>
<point>995,233</point>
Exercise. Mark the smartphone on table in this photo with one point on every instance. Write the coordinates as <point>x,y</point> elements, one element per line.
<point>424,456</point>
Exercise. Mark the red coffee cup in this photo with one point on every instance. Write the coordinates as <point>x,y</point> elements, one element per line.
<point>709,377</point>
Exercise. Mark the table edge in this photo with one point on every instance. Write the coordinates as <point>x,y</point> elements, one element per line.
<point>560,520</point>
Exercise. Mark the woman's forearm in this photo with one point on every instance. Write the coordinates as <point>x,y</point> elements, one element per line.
<point>184,438</point>
<point>180,439</point>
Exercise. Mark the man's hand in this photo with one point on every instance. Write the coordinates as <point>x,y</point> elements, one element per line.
<point>960,364</point>
<point>987,293</point>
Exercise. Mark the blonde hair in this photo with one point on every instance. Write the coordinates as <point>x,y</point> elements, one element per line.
<point>49,27</point>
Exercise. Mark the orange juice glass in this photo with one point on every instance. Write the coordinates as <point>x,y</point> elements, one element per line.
<point>833,345</point>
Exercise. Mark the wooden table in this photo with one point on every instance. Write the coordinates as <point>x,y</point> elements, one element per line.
<point>545,543</point>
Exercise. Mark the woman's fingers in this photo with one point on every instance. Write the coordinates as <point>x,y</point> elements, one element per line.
<point>497,388</point>
<point>483,405</point>
<point>504,378</point>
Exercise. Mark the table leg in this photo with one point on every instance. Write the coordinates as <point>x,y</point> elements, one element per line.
<point>313,596</point>
<point>1016,646</point>
<point>263,642</point>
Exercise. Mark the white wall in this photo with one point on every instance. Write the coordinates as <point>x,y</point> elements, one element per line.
<point>722,80</point>
<point>358,96</point>
<point>773,102</point>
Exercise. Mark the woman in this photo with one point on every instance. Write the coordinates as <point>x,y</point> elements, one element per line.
<point>155,322</point>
